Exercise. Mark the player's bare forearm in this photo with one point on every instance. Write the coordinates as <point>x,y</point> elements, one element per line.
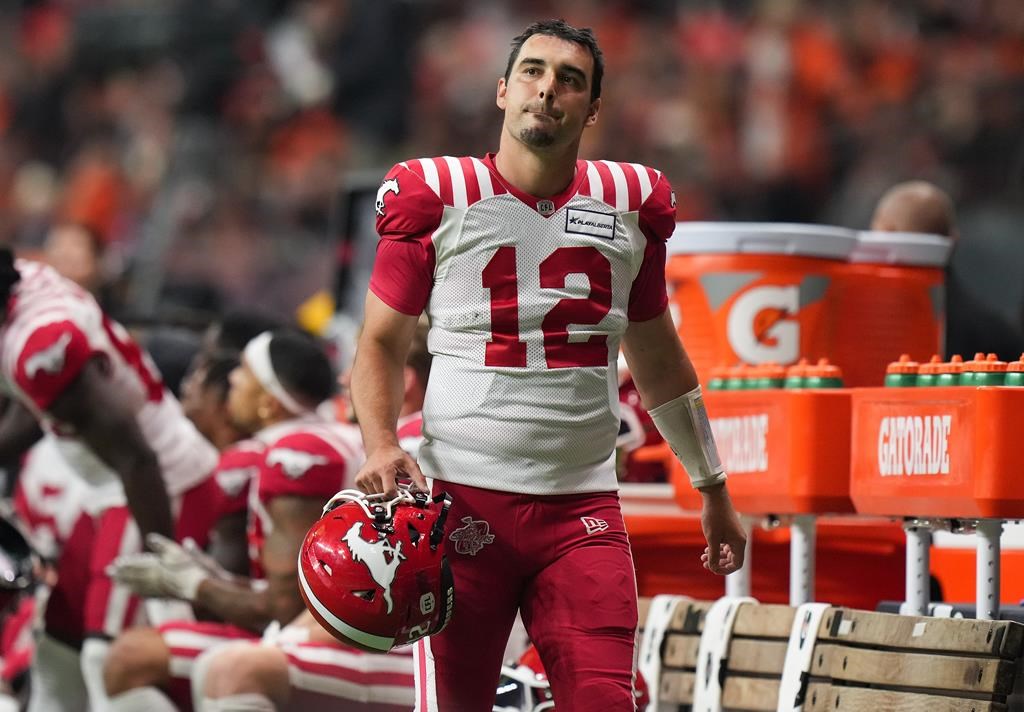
<point>235,603</point>
<point>292,517</point>
<point>377,375</point>
<point>19,430</point>
<point>108,427</point>
<point>146,493</point>
<point>657,361</point>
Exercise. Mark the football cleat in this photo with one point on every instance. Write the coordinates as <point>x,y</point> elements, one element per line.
<point>525,687</point>
<point>373,571</point>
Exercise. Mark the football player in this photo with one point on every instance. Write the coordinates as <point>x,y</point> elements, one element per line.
<point>533,266</point>
<point>80,375</point>
<point>275,392</point>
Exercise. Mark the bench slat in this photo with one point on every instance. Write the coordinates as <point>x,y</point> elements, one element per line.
<point>998,638</point>
<point>680,651</point>
<point>764,620</point>
<point>677,686</point>
<point>750,693</point>
<point>902,669</point>
<point>757,656</point>
<point>822,697</point>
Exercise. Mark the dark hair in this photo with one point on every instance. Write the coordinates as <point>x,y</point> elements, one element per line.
<point>9,276</point>
<point>302,366</point>
<point>583,36</point>
<point>218,367</point>
<point>237,328</point>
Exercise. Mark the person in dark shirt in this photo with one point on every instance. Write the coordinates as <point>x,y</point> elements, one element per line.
<point>971,326</point>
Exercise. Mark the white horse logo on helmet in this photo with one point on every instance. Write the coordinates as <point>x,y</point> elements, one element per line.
<point>379,557</point>
<point>390,185</point>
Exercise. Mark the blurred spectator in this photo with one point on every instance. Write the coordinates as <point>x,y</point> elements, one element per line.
<point>919,206</point>
<point>205,142</point>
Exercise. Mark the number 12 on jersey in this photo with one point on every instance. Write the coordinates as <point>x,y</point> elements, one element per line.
<point>505,349</point>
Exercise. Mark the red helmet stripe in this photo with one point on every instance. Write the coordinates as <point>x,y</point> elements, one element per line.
<point>376,642</point>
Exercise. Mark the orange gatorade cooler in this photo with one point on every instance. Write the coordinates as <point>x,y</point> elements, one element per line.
<point>760,292</point>
<point>756,292</point>
<point>891,297</point>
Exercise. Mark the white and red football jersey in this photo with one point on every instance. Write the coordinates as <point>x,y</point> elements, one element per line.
<point>53,328</point>
<point>49,497</point>
<point>410,433</point>
<point>237,469</point>
<point>304,457</point>
<point>528,300</point>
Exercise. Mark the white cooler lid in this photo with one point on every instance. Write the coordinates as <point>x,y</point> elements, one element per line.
<point>917,249</point>
<point>798,240</point>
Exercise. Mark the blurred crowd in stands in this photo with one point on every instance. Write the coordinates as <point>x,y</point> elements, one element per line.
<point>191,153</point>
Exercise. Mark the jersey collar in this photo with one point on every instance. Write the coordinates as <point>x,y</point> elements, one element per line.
<point>545,207</point>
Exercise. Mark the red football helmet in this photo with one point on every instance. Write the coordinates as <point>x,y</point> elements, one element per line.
<point>373,571</point>
<point>525,687</point>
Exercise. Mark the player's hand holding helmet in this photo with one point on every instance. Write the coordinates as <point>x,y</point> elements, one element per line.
<point>373,571</point>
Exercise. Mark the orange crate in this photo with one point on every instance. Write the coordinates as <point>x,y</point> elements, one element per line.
<point>938,452</point>
<point>786,451</point>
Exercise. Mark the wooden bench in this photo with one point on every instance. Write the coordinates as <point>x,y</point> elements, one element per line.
<point>862,661</point>
<point>882,661</point>
<point>756,655</point>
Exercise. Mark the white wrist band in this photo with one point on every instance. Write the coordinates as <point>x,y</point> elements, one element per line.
<point>683,422</point>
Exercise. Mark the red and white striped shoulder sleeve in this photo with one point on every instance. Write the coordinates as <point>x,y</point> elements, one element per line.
<point>658,210</point>
<point>53,356</point>
<point>408,211</point>
<point>648,297</point>
<point>302,464</point>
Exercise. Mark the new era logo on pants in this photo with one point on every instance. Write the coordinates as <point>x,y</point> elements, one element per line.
<point>594,525</point>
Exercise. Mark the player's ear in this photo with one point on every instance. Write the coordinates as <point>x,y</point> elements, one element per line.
<point>595,107</point>
<point>500,98</point>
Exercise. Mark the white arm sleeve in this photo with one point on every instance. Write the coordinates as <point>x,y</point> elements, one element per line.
<point>683,422</point>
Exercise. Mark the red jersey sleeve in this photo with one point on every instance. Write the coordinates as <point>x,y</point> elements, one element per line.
<point>302,465</point>
<point>235,470</point>
<point>53,356</point>
<point>408,212</point>
<point>649,295</point>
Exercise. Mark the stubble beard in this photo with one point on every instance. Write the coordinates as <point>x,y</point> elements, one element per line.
<point>537,138</point>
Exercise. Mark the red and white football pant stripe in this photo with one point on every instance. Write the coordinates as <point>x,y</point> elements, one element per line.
<point>187,640</point>
<point>322,675</point>
<point>564,562</point>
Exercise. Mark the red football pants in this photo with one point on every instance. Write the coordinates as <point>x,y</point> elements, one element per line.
<point>564,561</point>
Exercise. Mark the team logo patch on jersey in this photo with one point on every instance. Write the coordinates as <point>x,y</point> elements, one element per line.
<point>545,207</point>
<point>590,222</point>
<point>390,185</point>
<point>379,557</point>
<point>473,537</point>
<point>594,525</point>
<point>294,463</point>
<point>49,360</point>
<point>234,480</point>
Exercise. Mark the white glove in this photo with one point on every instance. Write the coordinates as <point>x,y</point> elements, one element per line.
<point>170,572</point>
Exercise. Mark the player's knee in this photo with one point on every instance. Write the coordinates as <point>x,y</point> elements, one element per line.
<point>613,696</point>
<point>138,658</point>
<point>244,668</point>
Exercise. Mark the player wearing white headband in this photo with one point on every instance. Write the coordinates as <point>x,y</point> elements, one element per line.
<point>275,392</point>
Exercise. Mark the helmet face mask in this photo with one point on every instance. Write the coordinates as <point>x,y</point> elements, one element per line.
<point>373,571</point>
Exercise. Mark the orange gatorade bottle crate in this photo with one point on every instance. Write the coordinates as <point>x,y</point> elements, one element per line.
<point>944,451</point>
<point>787,451</point>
